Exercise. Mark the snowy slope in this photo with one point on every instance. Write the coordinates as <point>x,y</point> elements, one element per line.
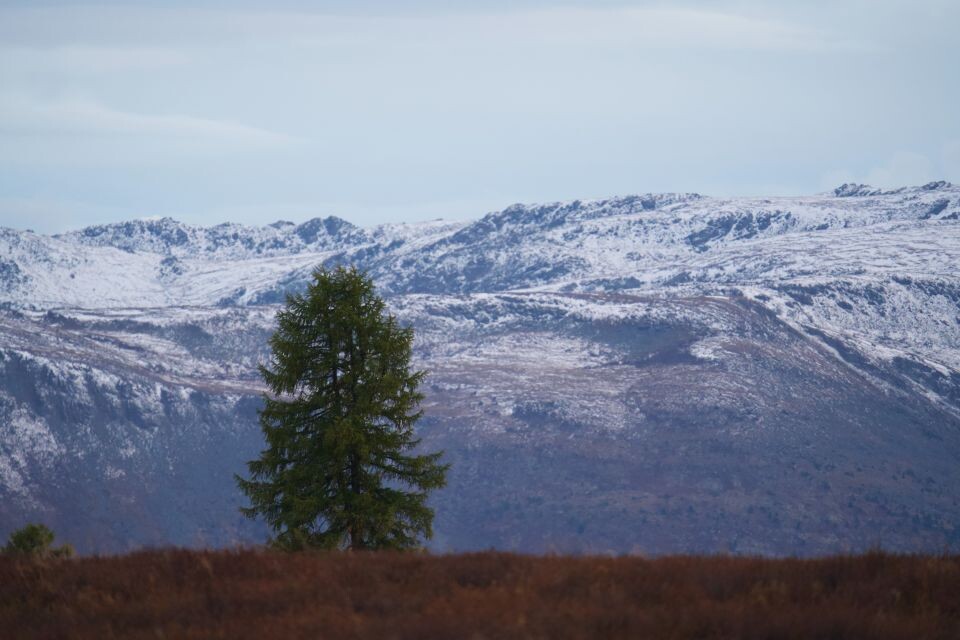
<point>835,261</point>
<point>664,372</point>
<point>637,242</point>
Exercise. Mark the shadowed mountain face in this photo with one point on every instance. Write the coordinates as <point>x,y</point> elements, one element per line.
<point>669,435</point>
<point>660,373</point>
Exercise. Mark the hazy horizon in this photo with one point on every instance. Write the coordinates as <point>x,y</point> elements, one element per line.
<point>252,112</point>
<point>464,218</point>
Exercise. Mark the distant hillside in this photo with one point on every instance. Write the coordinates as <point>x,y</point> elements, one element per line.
<point>656,373</point>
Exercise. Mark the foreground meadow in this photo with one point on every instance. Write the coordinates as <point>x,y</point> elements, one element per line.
<point>259,594</point>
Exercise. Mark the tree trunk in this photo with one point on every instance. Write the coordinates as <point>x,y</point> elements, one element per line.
<point>356,529</point>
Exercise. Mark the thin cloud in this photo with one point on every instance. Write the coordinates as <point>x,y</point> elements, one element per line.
<point>50,215</point>
<point>641,28</point>
<point>950,156</point>
<point>655,28</point>
<point>87,59</point>
<point>92,119</point>
<point>903,168</point>
<point>460,107</point>
<point>651,27</point>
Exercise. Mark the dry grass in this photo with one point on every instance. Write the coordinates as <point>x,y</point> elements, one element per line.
<point>256,594</point>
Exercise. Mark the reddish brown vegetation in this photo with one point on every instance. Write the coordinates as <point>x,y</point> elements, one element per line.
<point>184,594</point>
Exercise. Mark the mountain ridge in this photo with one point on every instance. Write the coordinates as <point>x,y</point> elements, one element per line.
<point>656,373</point>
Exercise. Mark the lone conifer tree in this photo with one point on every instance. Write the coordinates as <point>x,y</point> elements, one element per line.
<point>339,425</point>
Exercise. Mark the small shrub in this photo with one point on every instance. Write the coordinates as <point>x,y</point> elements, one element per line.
<point>34,540</point>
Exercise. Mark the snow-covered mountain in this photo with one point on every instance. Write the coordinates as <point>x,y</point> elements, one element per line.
<point>665,372</point>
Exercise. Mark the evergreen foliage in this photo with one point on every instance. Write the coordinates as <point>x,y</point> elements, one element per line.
<point>338,425</point>
<point>34,540</point>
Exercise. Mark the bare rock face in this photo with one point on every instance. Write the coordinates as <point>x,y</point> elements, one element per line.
<point>652,374</point>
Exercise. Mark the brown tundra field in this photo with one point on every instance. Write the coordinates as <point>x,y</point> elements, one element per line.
<point>260,594</point>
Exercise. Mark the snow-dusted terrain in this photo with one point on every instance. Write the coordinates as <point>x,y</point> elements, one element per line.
<point>666,372</point>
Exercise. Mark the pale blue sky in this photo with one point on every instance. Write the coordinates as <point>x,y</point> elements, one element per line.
<point>402,111</point>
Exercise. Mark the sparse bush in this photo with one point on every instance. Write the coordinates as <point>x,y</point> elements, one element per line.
<point>35,540</point>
